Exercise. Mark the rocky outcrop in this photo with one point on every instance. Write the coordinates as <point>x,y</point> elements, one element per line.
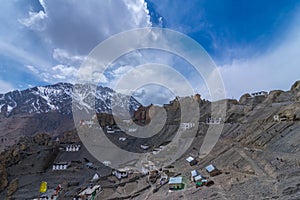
<point>244,98</point>
<point>11,156</point>
<point>3,179</point>
<point>41,139</point>
<point>12,188</point>
<point>141,115</point>
<point>296,90</point>
<point>289,114</point>
<point>296,87</point>
<point>273,95</point>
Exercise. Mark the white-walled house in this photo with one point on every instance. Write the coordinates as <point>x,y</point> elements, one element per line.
<point>122,139</point>
<point>261,93</point>
<point>72,147</point>
<point>192,161</point>
<point>213,120</point>
<point>60,166</point>
<point>145,147</point>
<point>120,174</point>
<point>187,125</point>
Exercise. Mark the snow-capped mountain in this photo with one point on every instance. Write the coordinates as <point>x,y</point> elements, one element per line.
<point>59,97</point>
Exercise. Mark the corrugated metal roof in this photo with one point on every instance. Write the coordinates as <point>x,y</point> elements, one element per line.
<point>194,173</point>
<point>175,180</point>
<point>199,177</point>
<point>210,168</point>
<point>190,159</point>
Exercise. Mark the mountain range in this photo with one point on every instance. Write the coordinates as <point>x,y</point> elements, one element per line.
<point>258,151</point>
<point>59,97</point>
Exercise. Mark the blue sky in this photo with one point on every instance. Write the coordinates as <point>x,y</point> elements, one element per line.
<point>254,44</point>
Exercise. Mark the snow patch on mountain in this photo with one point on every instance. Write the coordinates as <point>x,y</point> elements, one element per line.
<point>61,96</point>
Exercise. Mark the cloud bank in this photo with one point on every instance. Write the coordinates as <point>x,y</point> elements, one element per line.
<point>49,39</point>
<point>277,68</point>
<point>54,37</point>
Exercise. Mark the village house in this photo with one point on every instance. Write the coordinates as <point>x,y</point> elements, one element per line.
<point>118,130</point>
<point>194,173</point>
<point>72,147</point>
<point>88,192</point>
<point>163,179</point>
<point>122,139</point>
<point>60,166</point>
<point>192,161</point>
<point>127,121</point>
<point>212,170</point>
<point>120,174</point>
<point>144,147</point>
<point>95,177</point>
<point>198,178</point>
<point>87,123</point>
<point>131,130</point>
<point>187,125</point>
<point>157,150</point>
<point>204,182</point>
<point>110,130</point>
<point>176,183</point>
<point>261,93</point>
<point>212,120</point>
<point>106,162</point>
<point>91,165</point>
<point>57,140</point>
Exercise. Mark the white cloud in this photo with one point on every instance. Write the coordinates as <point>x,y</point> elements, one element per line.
<point>277,69</point>
<point>77,27</point>
<point>32,69</point>
<point>35,20</point>
<point>121,70</point>
<point>64,73</point>
<point>65,70</point>
<point>65,57</point>
<point>155,94</point>
<point>61,77</point>
<point>139,8</point>
<point>5,87</point>
<point>19,54</point>
<point>69,30</point>
<point>63,33</point>
<point>66,31</point>
<point>164,77</point>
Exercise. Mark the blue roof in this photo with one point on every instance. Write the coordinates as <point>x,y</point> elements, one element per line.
<point>175,180</point>
<point>199,177</point>
<point>194,173</point>
<point>210,168</point>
